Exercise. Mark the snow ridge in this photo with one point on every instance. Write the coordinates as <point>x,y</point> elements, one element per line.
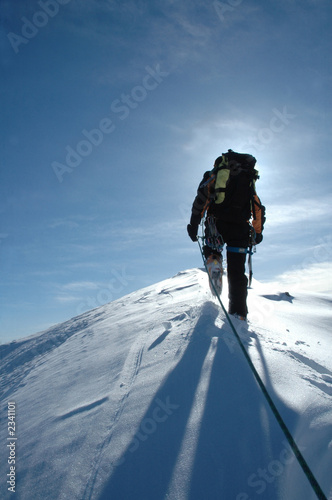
<point>150,397</point>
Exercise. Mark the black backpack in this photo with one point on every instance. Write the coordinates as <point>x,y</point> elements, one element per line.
<point>231,187</point>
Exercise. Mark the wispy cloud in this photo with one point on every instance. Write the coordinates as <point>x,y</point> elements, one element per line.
<point>70,222</point>
<point>73,291</point>
<point>213,133</point>
<point>316,278</point>
<point>77,286</point>
<point>297,211</point>
<point>66,299</point>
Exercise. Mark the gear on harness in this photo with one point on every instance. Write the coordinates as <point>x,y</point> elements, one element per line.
<point>213,238</point>
<point>252,250</point>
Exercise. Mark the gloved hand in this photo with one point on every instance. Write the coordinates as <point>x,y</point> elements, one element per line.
<point>192,231</point>
<point>258,238</point>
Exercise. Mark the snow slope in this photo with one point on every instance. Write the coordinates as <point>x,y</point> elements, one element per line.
<point>150,398</point>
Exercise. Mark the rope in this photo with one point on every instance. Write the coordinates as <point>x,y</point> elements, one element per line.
<point>305,467</point>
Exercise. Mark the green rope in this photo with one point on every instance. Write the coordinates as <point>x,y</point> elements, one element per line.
<point>305,467</point>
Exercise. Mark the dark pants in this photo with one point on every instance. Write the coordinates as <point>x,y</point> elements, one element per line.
<point>234,235</point>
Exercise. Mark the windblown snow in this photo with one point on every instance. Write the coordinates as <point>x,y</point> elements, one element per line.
<point>151,398</point>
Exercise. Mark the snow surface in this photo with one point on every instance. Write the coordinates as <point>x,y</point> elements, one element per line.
<point>151,398</point>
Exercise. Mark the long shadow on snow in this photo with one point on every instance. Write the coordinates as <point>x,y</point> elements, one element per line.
<point>237,434</point>
<point>146,472</point>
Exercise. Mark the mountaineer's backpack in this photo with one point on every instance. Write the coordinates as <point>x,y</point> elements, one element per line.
<point>231,187</point>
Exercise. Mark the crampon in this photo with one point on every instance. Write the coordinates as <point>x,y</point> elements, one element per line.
<point>214,268</point>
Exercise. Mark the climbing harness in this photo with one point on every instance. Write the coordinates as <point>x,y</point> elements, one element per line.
<point>238,250</point>
<point>305,467</point>
<point>214,240</point>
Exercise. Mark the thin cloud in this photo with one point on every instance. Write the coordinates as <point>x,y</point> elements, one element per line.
<point>64,299</point>
<point>79,286</point>
<point>70,222</point>
<point>315,278</point>
<point>72,292</point>
<point>303,210</point>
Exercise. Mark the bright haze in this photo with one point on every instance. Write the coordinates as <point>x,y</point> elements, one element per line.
<point>111,111</point>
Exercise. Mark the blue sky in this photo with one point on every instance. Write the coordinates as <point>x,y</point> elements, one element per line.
<point>111,113</point>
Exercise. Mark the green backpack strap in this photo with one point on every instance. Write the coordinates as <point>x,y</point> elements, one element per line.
<point>222,172</point>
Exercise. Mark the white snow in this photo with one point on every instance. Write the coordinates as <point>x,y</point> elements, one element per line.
<point>151,398</point>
